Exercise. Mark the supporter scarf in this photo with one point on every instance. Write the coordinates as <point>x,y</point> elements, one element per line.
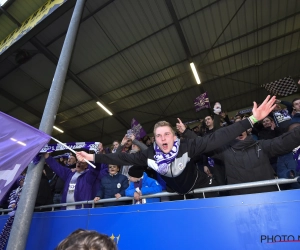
<point>163,160</point>
<point>4,235</point>
<point>211,162</point>
<point>138,186</point>
<point>74,145</point>
<point>296,153</point>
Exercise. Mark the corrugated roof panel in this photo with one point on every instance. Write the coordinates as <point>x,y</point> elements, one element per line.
<point>147,82</point>
<point>202,29</point>
<point>144,114</point>
<point>6,105</point>
<point>108,75</point>
<point>187,7</point>
<point>271,71</point>
<point>59,27</point>
<point>21,10</point>
<point>197,34</point>
<point>92,46</point>
<point>21,85</point>
<point>151,109</point>
<point>41,70</point>
<point>139,82</point>
<point>6,66</point>
<point>23,115</point>
<point>6,27</point>
<point>88,132</point>
<point>85,118</point>
<point>38,102</point>
<point>56,30</point>
<point>129,21</point>
<point>93,5</point>
<point>73,95</point>
<point>145,97</point>
<point>77,110</point>
<point>64,137</point>
<point>175,104</point>
<point>162,49</point>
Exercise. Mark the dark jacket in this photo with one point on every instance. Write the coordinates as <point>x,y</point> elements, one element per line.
<point>296,118</point>
<point>248,160</point>
<point>44,196</point>
<point>111,185</point>
<point>103,172</point>
<point>268,133</point>
<point>182,174</point>
<point>84,185</point>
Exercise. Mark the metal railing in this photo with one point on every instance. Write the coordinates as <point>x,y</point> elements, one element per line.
<point>167,194</point>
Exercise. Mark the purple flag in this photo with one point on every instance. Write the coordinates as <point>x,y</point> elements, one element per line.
<point>19,144</point>
<point>202,102</point>
<point>137,129</point>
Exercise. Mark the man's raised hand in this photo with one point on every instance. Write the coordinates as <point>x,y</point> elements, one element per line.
<point>180,126</point>
<point>84,155</point>
<point>264,109</point>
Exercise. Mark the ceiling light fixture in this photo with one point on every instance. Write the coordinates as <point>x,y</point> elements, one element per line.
<point>102,106</point>
<point>58,129</point>
<point>2,2</point>
<point>195,73</point>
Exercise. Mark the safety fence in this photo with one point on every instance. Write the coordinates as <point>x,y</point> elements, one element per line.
<point>276,182</point>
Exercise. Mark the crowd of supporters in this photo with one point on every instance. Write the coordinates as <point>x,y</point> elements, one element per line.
<point>191,159</point>
<point>257,154</point>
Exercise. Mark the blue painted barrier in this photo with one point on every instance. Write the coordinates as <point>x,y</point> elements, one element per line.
<point>256,221</point>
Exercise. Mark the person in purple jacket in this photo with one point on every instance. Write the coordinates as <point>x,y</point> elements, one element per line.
<point>78,184</point>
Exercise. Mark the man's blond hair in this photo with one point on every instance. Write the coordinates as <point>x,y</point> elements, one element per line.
<point>163,124</point>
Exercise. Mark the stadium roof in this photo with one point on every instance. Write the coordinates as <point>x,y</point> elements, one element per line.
<point>134,56</point>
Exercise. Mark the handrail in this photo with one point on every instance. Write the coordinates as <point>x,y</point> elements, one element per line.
<point>166,194</point>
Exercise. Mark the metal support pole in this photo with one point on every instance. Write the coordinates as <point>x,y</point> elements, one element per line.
<point>21,225</point>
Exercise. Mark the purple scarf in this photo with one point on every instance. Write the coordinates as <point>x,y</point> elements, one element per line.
<point>138,185</point>
<point>297,158</point>
<point>163,160</point>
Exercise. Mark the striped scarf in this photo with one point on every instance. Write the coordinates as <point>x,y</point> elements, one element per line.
<point>163,160</point>
<point>4,235</point>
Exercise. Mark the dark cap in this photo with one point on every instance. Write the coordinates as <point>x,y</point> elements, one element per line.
<point>136,171</point>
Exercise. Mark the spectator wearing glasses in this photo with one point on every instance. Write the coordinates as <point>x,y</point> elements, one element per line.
<point>112,185</point>
<point>78,183</point>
